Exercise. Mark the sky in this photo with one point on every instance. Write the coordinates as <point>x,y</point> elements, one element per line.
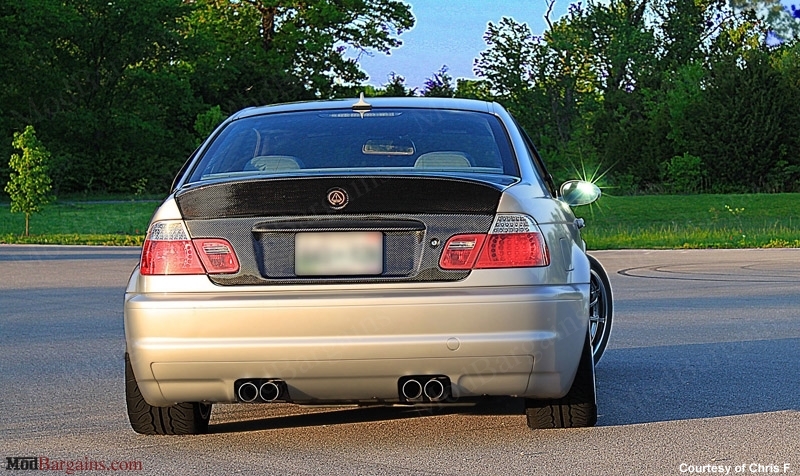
<point>450,32</point>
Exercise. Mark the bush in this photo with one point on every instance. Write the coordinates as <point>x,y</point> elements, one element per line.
<point>684,174</point>
<point>783,177</point>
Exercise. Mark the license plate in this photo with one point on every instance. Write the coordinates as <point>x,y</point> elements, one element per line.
<point>338,253</point>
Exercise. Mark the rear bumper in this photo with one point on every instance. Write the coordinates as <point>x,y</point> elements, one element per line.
<point>354,345</point>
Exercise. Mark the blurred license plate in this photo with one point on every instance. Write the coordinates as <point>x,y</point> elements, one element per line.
<point>338,253</point>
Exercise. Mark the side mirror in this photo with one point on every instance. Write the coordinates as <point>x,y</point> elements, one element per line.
<point>579,192</point>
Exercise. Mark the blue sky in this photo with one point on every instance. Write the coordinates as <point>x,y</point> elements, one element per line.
<point>450,32</point>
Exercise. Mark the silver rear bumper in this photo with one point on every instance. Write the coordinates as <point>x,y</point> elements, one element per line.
<point>354,345</point>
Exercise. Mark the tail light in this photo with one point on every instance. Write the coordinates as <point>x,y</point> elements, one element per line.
<point>168,250</point>
<point>514,241</point>
<point>217,255</point>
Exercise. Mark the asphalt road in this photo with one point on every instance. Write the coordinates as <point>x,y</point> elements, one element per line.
<point>702,373</point>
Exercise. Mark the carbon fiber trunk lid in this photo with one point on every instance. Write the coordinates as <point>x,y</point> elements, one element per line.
<point>412,216</point>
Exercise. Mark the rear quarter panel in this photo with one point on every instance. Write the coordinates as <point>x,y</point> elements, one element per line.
<point>568,261</point>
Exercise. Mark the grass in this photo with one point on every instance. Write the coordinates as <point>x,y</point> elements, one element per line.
<point>121,223</point>
<point>640,222</point>
<point>696,221</point>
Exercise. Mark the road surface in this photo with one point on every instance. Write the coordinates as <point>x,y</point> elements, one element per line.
<point>702,375</point>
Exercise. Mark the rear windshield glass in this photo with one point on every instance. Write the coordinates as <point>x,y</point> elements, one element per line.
<point>341,141</point>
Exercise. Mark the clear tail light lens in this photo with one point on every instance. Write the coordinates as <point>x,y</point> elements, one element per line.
<point>514,241</point>
<point>168,250</point>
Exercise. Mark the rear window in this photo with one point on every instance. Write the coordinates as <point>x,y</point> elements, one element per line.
<point>341,141</point>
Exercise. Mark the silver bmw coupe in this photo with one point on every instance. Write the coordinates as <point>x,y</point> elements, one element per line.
<point>388,251</point>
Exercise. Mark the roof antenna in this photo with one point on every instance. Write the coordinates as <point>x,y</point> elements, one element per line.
<point>362,106</point>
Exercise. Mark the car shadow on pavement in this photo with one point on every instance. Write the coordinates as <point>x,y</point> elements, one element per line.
<point>636,385</point>
<point>249,418</point>
<point>681,382</point>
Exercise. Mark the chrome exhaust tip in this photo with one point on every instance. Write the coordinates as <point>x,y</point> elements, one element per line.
<point>434,390</point>
<point>424,388</point>
<point>412,389</point>
<point>247,392</point>
<point>269,391</point>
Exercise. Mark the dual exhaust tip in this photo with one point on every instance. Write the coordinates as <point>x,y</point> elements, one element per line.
<point>260,390</point>
<point>425,388</point>
<point>413,389</point>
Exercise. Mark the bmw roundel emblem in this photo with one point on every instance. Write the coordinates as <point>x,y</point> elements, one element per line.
<point>337,198</point>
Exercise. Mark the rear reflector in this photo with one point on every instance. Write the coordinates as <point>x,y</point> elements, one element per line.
<point>168,250</point>
<point>513,242</point>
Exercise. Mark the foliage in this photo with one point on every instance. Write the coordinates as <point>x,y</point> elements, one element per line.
<point>783,20</point>
<point>207,121</point>
<point>255,52</point>
<point>684,174</point>
<point>473,89</point>
<point>505,64</point>
<point>636,88</point>
<point>742,124</point>
<point>100,82</point>
<point>122,91</point>
<point>439,85</point>
<point>29,188</point>
<point>74,239</point>
<point>396,87</point>
<point>116,88</point>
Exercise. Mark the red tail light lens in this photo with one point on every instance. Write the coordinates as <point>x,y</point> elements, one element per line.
<point>168,250</point>
<point>217,255</point>
<point>514,241</point>
<point>170,257</point>
<point>514,250</point>
<point>461,251</point>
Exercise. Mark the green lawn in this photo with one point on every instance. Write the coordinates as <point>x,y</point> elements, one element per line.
<point>643,222</point>
<point>696,221</point>
<point>72,223</point>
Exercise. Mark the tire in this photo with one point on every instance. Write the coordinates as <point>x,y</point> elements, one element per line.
<point>178,419</point>
<point>601,308</point>
<point>576,409</point>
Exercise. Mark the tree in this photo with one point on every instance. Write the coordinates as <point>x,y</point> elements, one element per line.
<point>742,124</point>
<point>440,85</point>
<point>29,188</point>
<point>106,86</point>
<point>549,85</point>
<point>26,71</point>
<point>507,61</point>
<point>473,89</point>
<point>396,87</point>
<point>267,51</point>
<point>206,122</point>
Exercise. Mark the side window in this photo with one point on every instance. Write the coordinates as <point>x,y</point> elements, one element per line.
<point>538,163</point>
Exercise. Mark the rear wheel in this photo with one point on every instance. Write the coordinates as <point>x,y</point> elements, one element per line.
<point>178,419</point>
<point>601,308</point>
<point>576,409</point>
